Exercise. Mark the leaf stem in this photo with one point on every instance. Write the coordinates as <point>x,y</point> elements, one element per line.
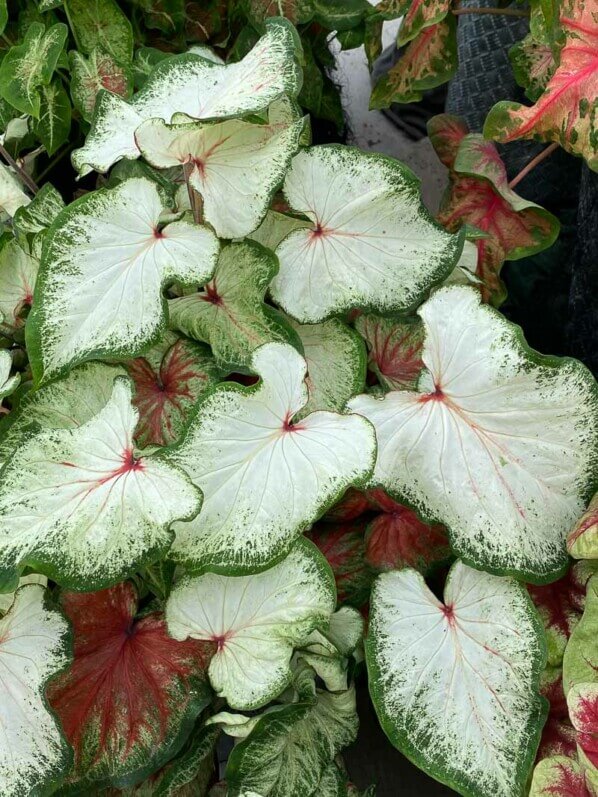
<point>509,12</point>
<point>195,198</point>
<point>532,164</point>
<point>21,173</point>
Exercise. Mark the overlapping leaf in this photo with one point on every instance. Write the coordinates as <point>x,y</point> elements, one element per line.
<point>394,349</point>
<point>371,243</point>
<point>533,65</point>
<point>235,166</point>
<point>90,75</point>
<point>582,541</point>
<point>167,390</point>
<point>230,313</point>
<point>264,478</point>
<point>455,684</point>
<point>420,14</point>
<point>499,443</point>
<point>8,382</point>
<point>566,110</point>
<point>197,87</point>
<point>343,545</point>
<point>559,776</point>
<point>34,646</point>
<point>99,289</point>
<point>255,622</point>
<point>79,504</point>
<point>130,698</point>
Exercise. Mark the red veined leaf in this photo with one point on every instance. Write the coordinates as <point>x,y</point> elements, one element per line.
<point>419,15</point>
<point>428,61</point>
<point>566,111</point>
<point>560,606</point>
<point>558,734</point>
<point>446,132</point>
<point>582,542</point>
<point>90,75</point>
<point>129,700</point>
<point>394,349</point>
<point>583,711</point>
<point>533,65</point>
<point>297,11</point>
<point>559,776</point>
<point>352,505</point>
<point>479,194</point>
<point>343,545</point>
<point>397,538</point>
<point>166,391</point>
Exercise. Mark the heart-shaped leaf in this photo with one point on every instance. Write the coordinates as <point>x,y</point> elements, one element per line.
<point>394,349</point>
<point>582,542</point>
<point>499,443</point>
<point>12,196</point>
<point>533,65</point>
<point>397,538</point>
<point>197,87</point>
<point>80,506</point>
<point>101,25</point>
<point>446,132</point>
<point>230,313</point>
<point>237,167</point>
<point>166,392</point>
<point>28,66</point>
<point>371,243</point>
<point>580,662</point>
<point>289,748</point>
<point>34,646</point>
<point>566,111</point>
<point>335,357</point>
<point>479,194</point>
<point>255,621</point>
<point>18,273</point>
<point>455,684</point>
<point>257,468</point>
<point>429,60</point>
<point>129,699</point>
<point>343,545</point>
<point>420,14</point>
<point>54,123</point>
<point>105,260</point>
<point>559,776</point>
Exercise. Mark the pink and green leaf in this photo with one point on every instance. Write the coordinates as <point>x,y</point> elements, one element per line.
<point>582,541</point>
<point>343,545</point>
<point>419,15</point>
<point>533,65</point>
<point>566,111</point>
<point>166,392</point>
<point>129,700</point>
<point>429,61</point>
<point>394,349</point>
<point>558,734</point>
<point>446,132</point>
<point>559,776</point>
<point>397,538</point>
<point>90,75</point>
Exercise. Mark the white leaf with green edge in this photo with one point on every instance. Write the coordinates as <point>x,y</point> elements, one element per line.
<point>289,749</point>
<point>235,166</point>
<point>18,273</point>
<point>372,243</point>
<point>238,726</point>
<point>65,404</point>
<point>275,227</point>
<point>34,646</point>
<point>12,196</point>
<point>28,66</point>
<point>54,123</point>
<point>201,89</point>
<point>255,622</point>
<point>336,364</point>
<point>80,506</point>
<point>230,313</point>
<point>7,598</point>
<point>8,383</point>
<point>265,479</point>
<point>101,25</point>
<point>105,260</point>
<point>37,215</point>
<point>455,684</point>
<point>205,52</point>
<point>499,443</point>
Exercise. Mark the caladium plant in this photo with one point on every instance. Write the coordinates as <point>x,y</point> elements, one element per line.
<point>257,411</point>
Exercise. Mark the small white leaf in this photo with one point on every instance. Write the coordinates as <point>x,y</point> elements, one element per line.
<point>255,622</point>
<point>499,443</point>
<point>99,289</point>
<point>455,684</point>
<point>372,243</point>
<point>264,478</point>
<point>8,383</point>
<point>12,196</point>
<point>199,88</point>
<point>80,506</point>
<point>237,167</point>
<point>33,648</point>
